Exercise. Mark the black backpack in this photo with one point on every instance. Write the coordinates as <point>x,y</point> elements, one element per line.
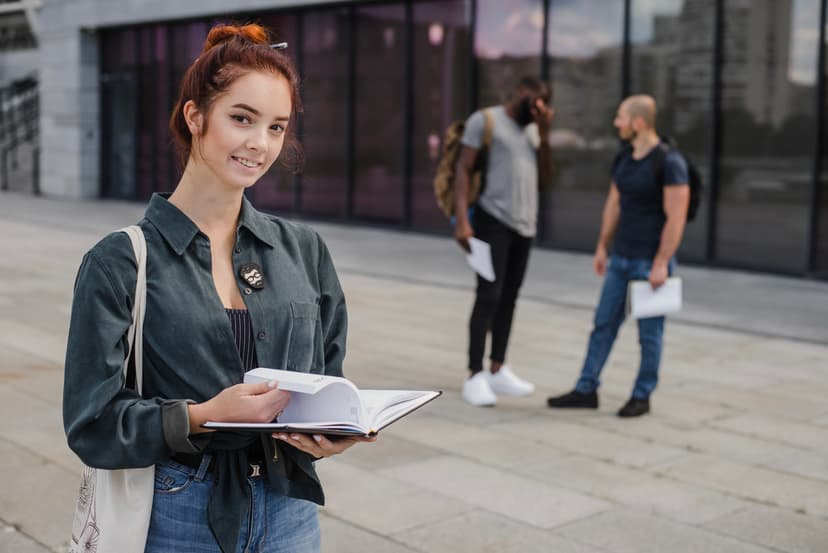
<point>693,175</point>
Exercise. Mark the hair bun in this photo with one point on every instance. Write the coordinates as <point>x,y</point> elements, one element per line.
<point>223,33</point>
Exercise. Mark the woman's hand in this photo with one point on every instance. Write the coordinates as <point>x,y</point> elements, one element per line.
<point>318,445</point>
<point>260,402</point>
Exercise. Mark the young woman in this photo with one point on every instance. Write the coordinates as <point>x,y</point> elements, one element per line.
<point>228,289</point>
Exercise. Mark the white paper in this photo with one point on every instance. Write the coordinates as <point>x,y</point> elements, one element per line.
<point>643,301</point>
<point>480,258</point>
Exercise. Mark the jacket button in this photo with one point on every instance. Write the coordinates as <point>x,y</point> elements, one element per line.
<point>248,291</point>
<point>262,335</point>
<point>237,249</point>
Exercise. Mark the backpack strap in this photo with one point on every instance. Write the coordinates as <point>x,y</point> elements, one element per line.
<point>488,129</point>
<point>658,162</point>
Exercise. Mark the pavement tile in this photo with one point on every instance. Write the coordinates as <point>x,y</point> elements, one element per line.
<point>33,341</point>
<point>31,424</point>
<point>388,451</point>
<point>38,495</point>
<point>12,541</point>
<point>752,483</point>
<point>699,439</point>
<point>778,529</point>
<point>801,434</point>
<point>342,537</point>
<point>375,500</point>
<point>593,441</point>
<point>770,404</point>
<point>624,532</point>
<point>504,492</point>
<point>480,531</point>
<point>634,488</point>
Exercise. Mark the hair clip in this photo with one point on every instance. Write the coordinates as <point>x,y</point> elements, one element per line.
<point>279,46</point>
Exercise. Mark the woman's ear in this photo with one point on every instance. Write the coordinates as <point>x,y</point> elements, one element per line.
<point>193,117</point>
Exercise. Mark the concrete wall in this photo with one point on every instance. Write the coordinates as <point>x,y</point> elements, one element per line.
<point>70,115</point>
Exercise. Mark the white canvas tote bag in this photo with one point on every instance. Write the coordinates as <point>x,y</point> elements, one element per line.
<point>114,506</point>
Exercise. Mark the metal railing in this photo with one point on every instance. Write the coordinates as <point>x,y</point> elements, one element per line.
<point>20,135</point>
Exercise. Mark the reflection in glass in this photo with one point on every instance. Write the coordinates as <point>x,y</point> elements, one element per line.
<point>324,123</point>
<point>274,191</point>
<point>768,129</point>
<point>441,94</point>
<point>821,261</point>
<point>672,60</point>
<point>380,112</point>
<point>585,51</point>
<point>118,105</point>
<point>507,45</point>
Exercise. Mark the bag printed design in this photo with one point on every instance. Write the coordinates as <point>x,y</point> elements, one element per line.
<point>85,527</point>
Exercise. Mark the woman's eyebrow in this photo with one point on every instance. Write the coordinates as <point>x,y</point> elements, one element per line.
<point>257,113</point>
<point>252,110</point>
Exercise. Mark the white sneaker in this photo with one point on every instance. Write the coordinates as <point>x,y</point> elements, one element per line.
<point>507,383</point>
<point>477,392</point>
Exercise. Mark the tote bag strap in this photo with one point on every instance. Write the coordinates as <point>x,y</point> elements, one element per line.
<point>135,335</point>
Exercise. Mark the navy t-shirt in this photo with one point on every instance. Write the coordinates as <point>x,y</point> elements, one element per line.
<point>642,212</point>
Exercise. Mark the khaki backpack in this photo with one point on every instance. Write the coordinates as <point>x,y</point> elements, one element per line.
<point>444,177</point>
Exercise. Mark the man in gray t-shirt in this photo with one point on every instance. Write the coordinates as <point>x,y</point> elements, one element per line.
<point>505,217</point>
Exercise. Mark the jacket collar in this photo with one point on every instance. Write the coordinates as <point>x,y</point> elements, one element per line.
<point>179,230</point>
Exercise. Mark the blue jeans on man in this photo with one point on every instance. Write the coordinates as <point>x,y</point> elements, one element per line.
<point>609,315</point>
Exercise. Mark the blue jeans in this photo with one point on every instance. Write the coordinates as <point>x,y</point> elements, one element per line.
<point>275,523</point>
<point>609,315</point>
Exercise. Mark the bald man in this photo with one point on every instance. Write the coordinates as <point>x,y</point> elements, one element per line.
<point>643,221</point>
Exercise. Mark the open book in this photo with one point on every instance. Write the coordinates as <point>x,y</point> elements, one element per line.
<point>332,405</point>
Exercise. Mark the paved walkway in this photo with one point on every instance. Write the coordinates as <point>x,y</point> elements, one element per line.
<point>734,457</point>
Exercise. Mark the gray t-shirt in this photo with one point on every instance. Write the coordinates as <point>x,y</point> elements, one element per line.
<point>511,193</point>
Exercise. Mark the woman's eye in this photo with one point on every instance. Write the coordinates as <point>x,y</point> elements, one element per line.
<point>278,128</point>
<point>241,118</point>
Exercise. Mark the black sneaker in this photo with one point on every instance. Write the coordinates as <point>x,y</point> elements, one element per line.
<point>575,400</point>
<point>634,408</point>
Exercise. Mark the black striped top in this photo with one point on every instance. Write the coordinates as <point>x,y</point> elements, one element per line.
<point>243,333</point>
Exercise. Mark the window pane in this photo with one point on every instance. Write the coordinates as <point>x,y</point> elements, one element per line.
<point>507,46</point>
<point>585,55</point>
<point>274,191</point>
<point>163,99</point>
<point>768,101</point>
<point>441,94</point>
<point>380,112</point>
<point>821,265</point>
<point>324,123</point>
<point>119,102</point>
<point>186,41</point>
<point>672,60</point>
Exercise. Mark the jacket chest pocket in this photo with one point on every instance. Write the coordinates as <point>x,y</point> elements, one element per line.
<point>305,344</point>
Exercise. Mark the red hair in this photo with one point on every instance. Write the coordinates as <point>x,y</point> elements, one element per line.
<point>231,51</point>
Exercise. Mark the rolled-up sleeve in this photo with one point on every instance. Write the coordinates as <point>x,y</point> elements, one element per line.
<point>106,424</point>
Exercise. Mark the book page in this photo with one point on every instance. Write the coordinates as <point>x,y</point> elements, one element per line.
<point>375,401</point>
<point>396,411</point>
<point>337,401</point>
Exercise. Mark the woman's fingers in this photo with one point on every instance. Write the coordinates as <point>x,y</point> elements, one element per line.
<point>319,445</point>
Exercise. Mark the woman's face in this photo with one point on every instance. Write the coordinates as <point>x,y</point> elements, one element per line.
<point>246,129</point>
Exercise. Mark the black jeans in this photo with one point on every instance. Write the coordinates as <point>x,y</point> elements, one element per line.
<point>494,304</point>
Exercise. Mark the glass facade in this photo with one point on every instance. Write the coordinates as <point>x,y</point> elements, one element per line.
<point>768,124</point>
<point>672,45</point>
<point>740,85</point>
<point>584,48</point>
